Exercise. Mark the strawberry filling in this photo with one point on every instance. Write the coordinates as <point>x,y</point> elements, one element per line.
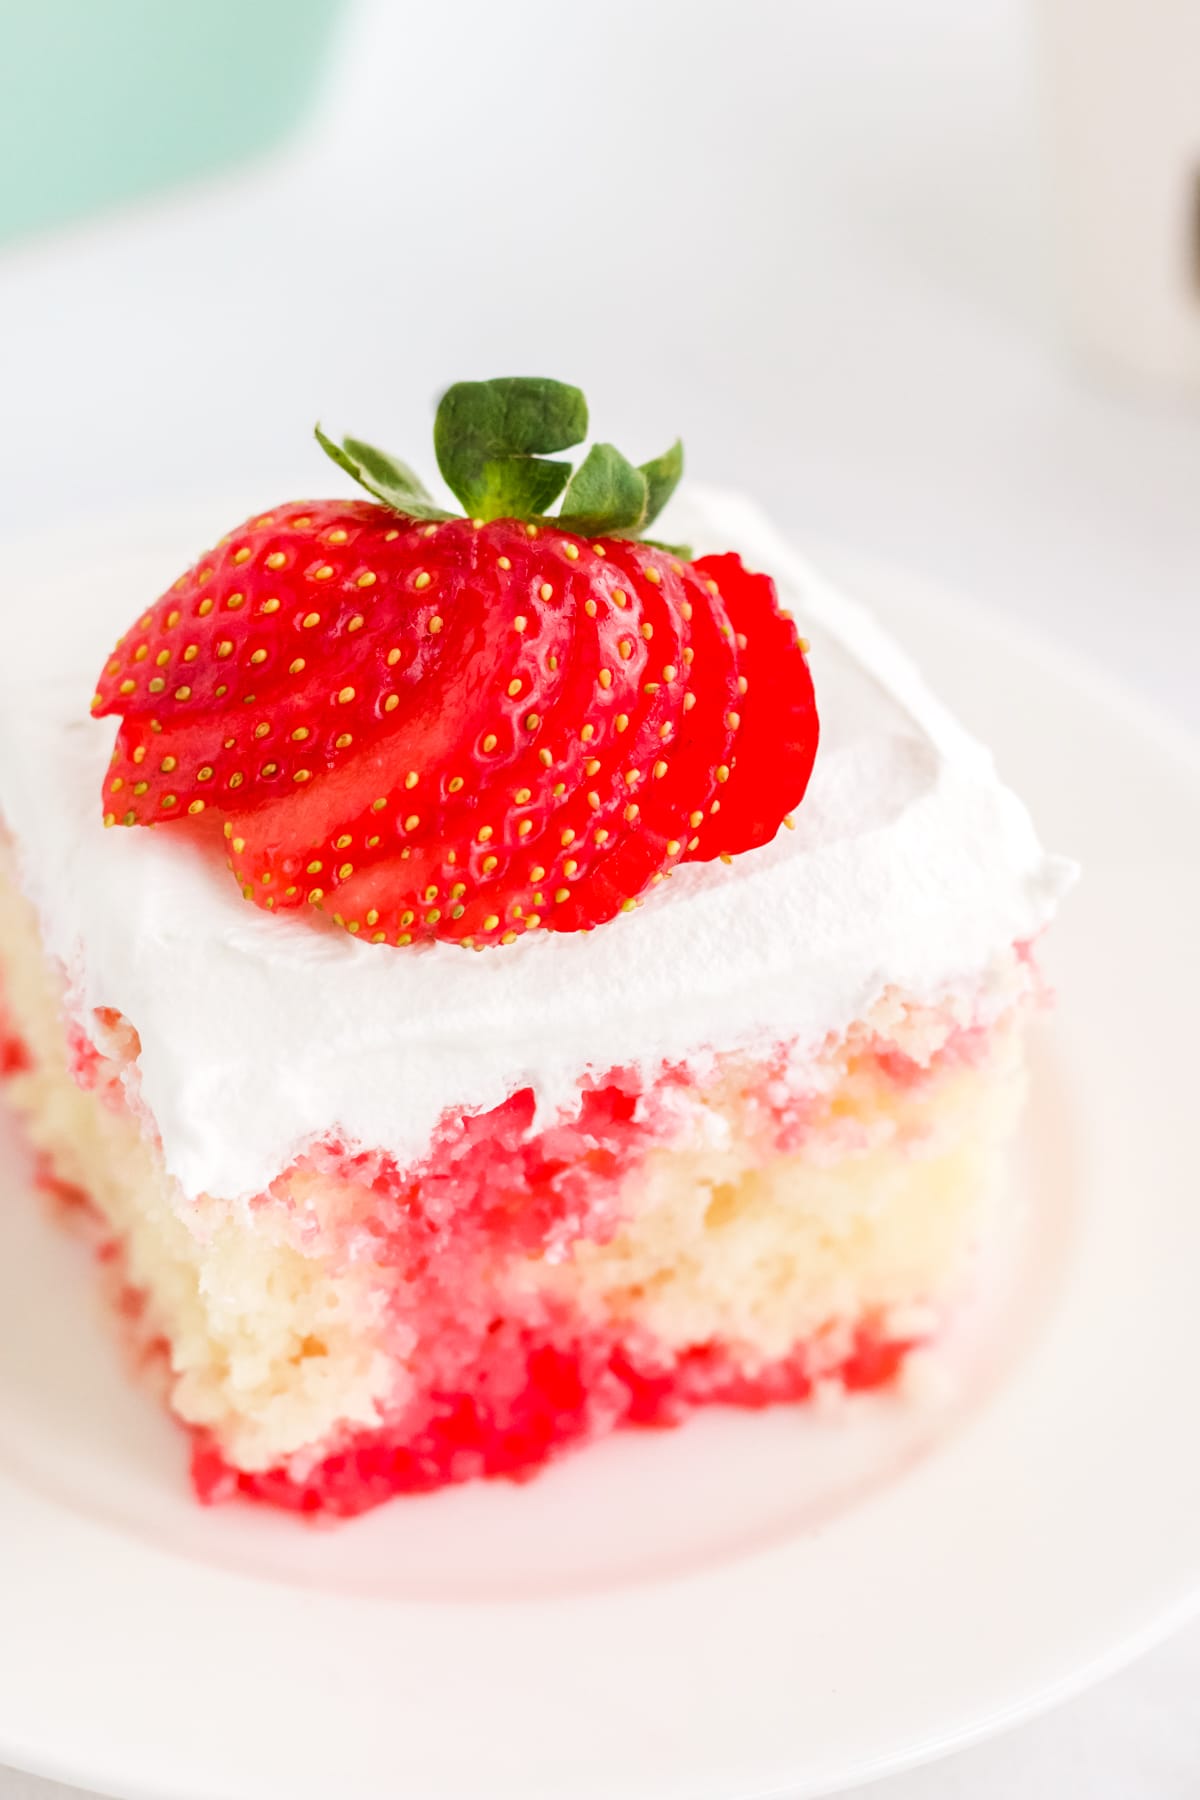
<point>531,1396</point>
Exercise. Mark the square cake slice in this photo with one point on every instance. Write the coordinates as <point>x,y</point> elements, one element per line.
<point>403,1217</point>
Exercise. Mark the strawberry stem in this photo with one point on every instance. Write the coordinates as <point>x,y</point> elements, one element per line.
<point>490,439</point>
<point>486,436</point>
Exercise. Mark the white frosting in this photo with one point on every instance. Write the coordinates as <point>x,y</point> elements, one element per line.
<point>910,864</point>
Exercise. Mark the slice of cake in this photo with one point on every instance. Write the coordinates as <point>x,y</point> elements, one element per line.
<point>715,1109</point>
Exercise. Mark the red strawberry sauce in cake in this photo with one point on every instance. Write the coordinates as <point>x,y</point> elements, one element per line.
<point>529,1395</point>
<point>518,1383</point>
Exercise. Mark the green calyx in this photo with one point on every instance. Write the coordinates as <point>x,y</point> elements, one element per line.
<point>494,441</point>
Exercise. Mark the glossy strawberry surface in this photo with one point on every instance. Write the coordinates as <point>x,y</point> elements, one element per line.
<point>465,728</point>
<point>455,730</point>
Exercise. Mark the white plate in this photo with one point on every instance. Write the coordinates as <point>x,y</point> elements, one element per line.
<point>775,1604</point>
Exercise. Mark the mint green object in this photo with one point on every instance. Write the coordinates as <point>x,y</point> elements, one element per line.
<point>102,101</point>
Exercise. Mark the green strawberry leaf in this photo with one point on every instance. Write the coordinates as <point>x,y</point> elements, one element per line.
<point>605,494</point>
<point>385,476</point>
<point>488,437</point>
<point>384,468</point>
<point>662,478</point>
<point>683,552</point>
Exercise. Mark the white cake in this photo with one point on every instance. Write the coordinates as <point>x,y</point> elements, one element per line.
<point>401,1217</point>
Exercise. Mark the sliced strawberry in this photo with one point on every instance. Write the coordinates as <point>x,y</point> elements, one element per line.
<point>685,769</point>
<point>287,672</point>
<point>457,748</point>
<point>464,728</point>
<point>531,820</point>
<point>775,740</point>
<point>640,639</point>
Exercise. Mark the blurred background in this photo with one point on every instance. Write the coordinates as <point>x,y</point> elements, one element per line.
<point>871,258</point>
<point>924,275</point>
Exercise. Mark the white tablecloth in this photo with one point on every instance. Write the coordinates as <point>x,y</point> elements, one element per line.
<point>808,234</point>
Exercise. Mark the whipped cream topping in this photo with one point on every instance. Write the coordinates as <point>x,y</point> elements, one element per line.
<point>910,865</point>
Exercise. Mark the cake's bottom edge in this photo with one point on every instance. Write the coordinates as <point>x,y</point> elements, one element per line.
<point>576,1388</point>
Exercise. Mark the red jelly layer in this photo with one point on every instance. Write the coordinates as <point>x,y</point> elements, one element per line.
<point>564,1394</point>
<point>505,1383</point>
